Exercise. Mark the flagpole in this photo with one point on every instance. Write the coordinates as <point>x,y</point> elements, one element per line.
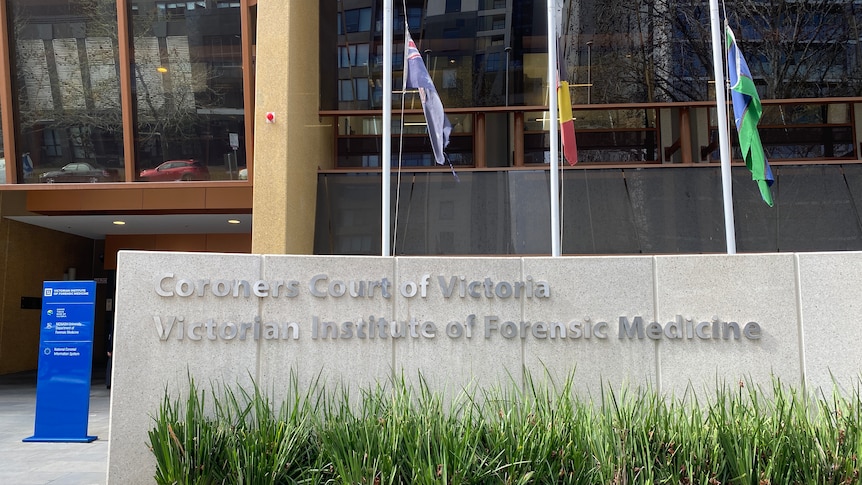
<point>723,138</point>
<point>552,115</point>
<point>386,162</point>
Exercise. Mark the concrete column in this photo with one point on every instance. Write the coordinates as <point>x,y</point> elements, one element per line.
<point>287,151</point>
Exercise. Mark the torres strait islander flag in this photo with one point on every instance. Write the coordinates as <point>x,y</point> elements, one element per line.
<point>417,77</point>
<point>746,112</point>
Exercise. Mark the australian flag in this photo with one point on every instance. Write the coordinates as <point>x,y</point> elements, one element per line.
<point>417,77</point>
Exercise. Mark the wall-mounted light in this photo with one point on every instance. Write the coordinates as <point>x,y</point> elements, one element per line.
<point>233,221</point>
<point>162,69</point>
<point>119,223</point>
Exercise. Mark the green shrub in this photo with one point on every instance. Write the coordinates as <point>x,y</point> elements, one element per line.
<point>400,433</point>
<point>189,444</point>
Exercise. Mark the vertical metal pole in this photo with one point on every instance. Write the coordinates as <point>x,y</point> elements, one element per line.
<point>552,115</point>
<point>386,161</point>
<point>723,138</point>
<point>589,71</point>
<point>508,53</point>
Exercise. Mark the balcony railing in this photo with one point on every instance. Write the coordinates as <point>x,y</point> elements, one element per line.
<point>793,131</point>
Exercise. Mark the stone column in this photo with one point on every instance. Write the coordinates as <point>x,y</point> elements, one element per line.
<point>288,150</point>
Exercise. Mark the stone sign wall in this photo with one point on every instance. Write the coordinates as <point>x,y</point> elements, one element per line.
<point>662,321</point>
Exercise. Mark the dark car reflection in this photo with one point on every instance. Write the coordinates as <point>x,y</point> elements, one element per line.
<point>80,172</point>
<point>176,170</point>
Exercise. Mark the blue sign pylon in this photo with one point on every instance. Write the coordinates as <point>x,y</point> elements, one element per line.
<point>65,362</point>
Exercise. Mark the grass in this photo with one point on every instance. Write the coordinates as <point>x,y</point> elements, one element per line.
<point>400,433</point>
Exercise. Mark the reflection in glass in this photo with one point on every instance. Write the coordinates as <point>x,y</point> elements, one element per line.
<point>67,87</point>
<point>359,143</point>
<point>187,81</point>
<point>494,52</point>
<point>796,131</point>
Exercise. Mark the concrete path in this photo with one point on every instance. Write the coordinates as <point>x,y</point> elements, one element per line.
<point>49,463</point>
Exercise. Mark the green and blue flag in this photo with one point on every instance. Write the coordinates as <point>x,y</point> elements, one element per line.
<point>747,111</point>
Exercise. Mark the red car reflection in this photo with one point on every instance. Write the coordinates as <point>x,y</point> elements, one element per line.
<point>176,170</point>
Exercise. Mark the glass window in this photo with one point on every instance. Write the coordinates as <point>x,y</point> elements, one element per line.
<point>493,62</point>
<point>353,55</point>
<point>361,89</point>
<point>414,20</point>
<point>498,57</point>
<point>188,90</point>
<point>361,57</point>
<point>498,22</point>
<point>414,17</point>
<point>625,54</point>
<point>355,20</point>
<point>68,112</point>
<point>491,4</point>
<point>345,90</point>
<point>397,57</point>
<point>344,56</point>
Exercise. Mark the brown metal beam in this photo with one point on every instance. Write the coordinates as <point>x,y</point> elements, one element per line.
<point>124,41</point>
<point>248,53</point>
<point>7,120</point>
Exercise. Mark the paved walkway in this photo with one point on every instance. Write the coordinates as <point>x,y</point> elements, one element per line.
<point>49,463</point>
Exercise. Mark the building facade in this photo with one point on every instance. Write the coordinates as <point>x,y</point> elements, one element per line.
<point>181,120</point>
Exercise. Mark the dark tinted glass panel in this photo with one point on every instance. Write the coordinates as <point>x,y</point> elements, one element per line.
<point>188,90</point>
<point>348,214</point>
<point>613,211</point>
<point>816,209</point>
<point>474,216</point>
<point>598,215</point>
<point>67,91</point>
<point>675,210</point>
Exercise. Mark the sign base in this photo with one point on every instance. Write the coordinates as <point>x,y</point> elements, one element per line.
<point>40,439</point>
